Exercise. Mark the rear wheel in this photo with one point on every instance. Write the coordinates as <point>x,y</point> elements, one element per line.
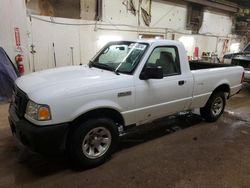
<point>214,107</point>
<point>93,141</point>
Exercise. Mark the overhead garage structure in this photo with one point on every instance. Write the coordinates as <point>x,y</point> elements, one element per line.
<point>124,93</point>
<point>192,21</point>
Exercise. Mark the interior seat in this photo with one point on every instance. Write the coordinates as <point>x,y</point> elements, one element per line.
<point>166,62</point>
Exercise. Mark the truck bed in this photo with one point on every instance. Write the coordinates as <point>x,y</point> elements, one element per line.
<point>206,75</point>
<point>196,65</point>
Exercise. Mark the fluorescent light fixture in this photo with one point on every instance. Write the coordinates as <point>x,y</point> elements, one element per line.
<point>187,41</point>
<point>104,39</point>
<point>235,47</point>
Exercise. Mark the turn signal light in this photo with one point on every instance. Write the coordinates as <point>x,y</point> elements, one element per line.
<point>43,113</point>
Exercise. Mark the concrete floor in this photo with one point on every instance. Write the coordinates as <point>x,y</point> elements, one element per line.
<point>180,152</point>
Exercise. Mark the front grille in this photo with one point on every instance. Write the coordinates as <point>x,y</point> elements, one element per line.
<point>20,102</point>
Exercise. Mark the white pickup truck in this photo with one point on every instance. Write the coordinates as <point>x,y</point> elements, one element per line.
<point>84,109</point>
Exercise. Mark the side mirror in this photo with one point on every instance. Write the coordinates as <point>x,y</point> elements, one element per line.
<point>152,73</point>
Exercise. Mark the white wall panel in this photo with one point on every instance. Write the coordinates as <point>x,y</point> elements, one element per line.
<point>64,37</point>
<point>205,44</point>
<point>168,15</point>
<point>216,24</point>
<point>13,14</point>
<point>84,39</point>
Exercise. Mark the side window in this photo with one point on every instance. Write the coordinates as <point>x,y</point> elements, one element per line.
<point>166,57</point>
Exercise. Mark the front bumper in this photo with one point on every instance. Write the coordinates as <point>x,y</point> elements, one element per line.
<point>41,139</point>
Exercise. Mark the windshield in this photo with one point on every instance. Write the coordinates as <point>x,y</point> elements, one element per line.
<point>120,56</point>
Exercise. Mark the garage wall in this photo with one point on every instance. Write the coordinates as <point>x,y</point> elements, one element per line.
<point>87,37</point>
<point>164,14</point>
<point>44,35</point>
<point>13,14</point>
<point>82,40</point>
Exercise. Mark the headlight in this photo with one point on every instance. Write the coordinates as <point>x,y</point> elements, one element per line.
<point>38,111</point>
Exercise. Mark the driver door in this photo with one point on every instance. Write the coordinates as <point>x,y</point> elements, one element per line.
<point>157,98</point>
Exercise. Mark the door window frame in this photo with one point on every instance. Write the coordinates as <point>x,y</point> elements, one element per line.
<point>177,56</point>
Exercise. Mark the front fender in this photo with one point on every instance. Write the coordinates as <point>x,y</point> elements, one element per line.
<point>95,105</point>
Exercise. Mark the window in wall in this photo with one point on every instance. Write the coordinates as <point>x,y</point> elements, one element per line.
<point>83,9</point>
<point>91,9</point>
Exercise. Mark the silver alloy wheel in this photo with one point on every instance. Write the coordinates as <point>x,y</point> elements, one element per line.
<point>217,106</point>
<point>96,142</point>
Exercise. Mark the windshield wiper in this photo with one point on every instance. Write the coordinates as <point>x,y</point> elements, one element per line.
<point>103,66</point>
<point>90,63</point>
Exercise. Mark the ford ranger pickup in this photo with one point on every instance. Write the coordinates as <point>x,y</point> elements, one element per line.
<point>84,109</point>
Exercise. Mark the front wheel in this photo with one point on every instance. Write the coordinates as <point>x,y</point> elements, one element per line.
<point>214,107</point>
<point>93,141</point>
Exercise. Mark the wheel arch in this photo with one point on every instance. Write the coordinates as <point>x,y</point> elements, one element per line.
<point>220,88</point>
<point>93,113</point>
<point>101,112</point>
<point>78,131</point>
<point>224,88</point>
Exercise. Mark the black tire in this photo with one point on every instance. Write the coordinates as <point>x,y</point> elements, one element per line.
<point>82,133</point>
<point>208,111</point>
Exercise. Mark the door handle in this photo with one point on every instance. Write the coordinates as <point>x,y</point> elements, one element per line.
<point>181,82</point>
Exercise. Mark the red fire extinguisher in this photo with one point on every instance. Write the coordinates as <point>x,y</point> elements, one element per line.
<point>19,63</point>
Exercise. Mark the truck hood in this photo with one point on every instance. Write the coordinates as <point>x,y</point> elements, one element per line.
<point>66,80</point>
